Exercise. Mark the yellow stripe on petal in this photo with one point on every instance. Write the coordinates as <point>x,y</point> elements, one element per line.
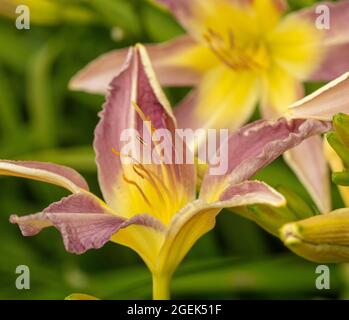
<point>296,46</point>
<point>199,58</point>
<point>280,90</point>
<point>268,13</point>
<point>145,241</point>
<point>226,98</point>
<point>187,227</point>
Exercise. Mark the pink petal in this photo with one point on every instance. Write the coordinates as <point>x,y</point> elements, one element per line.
<point>98,74</point>
<point>135,83</point>
<point>82,220</point>
<point>258,144</point>
<point>308,162</point>
<point>335,39</point>
<point>47,172</point>
<point>324,103</point>
<point>250,192</point>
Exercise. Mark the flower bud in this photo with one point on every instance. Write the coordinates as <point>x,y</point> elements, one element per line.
<point>336,143</point>
<point>341,126</point>
<point>322,238</point>
<point>272,218</point>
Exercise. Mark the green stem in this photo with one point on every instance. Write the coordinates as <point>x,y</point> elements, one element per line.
<point>161,286</point>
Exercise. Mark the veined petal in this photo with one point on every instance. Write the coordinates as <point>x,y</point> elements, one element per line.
<point>198,217</point>
<point>47,172</point>
<point>83,221</point>
<point>324,103</point>
<point>175,64</point>
<point>135,98</point>
<point>255,146</point>
<point>224,99</point>
<point>336,165</point>
<point>335,39</point>
<point>308,162</point>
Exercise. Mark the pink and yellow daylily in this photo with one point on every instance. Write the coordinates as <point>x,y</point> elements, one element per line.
<point>237,53</point>
<point>153,208</point>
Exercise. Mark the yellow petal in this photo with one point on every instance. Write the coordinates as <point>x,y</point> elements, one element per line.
<point>145,241</point>
<point>187,227</point>
<point>280,89</point>
<point>199,217</point>
<point>224,99</point>
<point>268,13</point>
<point>296,46</point>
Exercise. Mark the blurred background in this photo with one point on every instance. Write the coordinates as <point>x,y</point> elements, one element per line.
<point>40,119</point>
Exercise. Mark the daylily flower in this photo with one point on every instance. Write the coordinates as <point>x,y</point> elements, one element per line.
<point>238,53</point>
<point>153,208</point>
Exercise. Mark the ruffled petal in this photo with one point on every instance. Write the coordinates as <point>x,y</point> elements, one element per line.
<point>47,172</point>
<point>255,146</point>
<point>83,221</point>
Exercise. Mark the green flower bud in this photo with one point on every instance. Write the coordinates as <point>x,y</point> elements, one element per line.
<point>272,218</point>
<point>341,126</point>
<point>322,238</point>
<point>341,178</point>
<point>336,143</point>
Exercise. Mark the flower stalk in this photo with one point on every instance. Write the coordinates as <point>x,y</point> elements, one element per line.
<point>161,286</point>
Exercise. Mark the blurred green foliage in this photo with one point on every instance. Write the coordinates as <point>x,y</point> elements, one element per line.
<point>40,119</point>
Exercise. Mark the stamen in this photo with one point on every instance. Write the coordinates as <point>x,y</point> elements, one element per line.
<point>138,188</point>
<point>139,111</point>
<point>229,52</point>
<point>151,175</point>
<point>141,140</point>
